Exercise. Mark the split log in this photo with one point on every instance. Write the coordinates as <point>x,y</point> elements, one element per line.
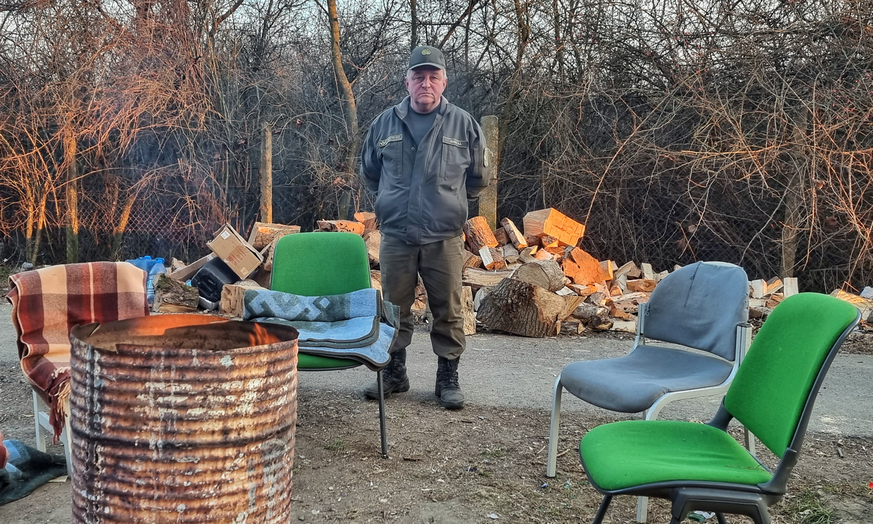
<point>630,302</point>
<point>174,296</point>
<point>648,272</point>
<point>510,254</point>
<point>471,260</point>
<point>376,279</point>
<point>582,291</point>
<point>233,297</point>
<point>525,309</point>
<point>774,285</point>
<point>619,313</point>
<point>368,218</point>
<point>263,234</point>
<point>555,224</point>
<point>642,285</point>
<point>492,258</point>
<point>477,278</point>
<point>661,276</point>
<point>467,310</point>
<point>527,255</point>
<point>555,249</point>
<point>500,236</point>
<point>373,242</point>
<point>607,268</point>
<point>630,269</point>
<point>542,254</point>
<point>582,268</point>
<point>572,326</point>
<point>175,265</point>
<point>533,240</point>
<point>621,282</point>
<point>758,288</point>
<point>592,315</point>
<point>864,306</point>
<point>420,310</point>
<point>514,235</point>
<point>349,226</point>
<point>478,234</point>
<point>543,273</point>
<point>789,286</point>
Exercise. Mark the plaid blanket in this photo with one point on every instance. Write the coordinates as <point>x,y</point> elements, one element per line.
<point>47,303</point>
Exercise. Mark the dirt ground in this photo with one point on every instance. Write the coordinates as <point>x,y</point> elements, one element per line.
<point>477,465</point>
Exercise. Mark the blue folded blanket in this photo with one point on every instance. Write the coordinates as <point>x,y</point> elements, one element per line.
<point>358,325</point>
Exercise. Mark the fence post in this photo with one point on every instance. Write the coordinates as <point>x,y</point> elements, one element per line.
<point>488,197</point>
<point>266,175</point>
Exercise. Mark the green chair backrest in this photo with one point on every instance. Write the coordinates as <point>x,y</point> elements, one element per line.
<point>775,380</point>
<point>320,263</point>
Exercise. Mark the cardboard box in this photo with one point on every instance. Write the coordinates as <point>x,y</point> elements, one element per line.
<point>230,247</point>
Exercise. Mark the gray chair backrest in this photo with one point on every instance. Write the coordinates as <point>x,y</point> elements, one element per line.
<point>700,305</point>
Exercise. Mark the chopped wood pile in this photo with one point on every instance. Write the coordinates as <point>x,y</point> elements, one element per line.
<point>533,281</point>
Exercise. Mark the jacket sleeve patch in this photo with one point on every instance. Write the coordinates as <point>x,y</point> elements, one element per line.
<point>393,138</point>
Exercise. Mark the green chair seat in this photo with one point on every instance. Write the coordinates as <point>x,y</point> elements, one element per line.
<point>316,363</point>
<point>634,453</point>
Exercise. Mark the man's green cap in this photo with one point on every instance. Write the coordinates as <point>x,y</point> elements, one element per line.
<point>425,55</point>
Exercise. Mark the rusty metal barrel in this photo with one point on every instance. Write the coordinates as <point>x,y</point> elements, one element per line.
<point>183,418</point>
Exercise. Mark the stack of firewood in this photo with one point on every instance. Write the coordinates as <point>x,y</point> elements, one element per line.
<point>533,282</point>
<point>539,283</point>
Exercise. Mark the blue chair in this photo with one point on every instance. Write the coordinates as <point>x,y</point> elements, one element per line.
<point>703,308</point>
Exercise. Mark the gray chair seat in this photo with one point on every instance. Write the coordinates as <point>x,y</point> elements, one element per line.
<point>634,382</point>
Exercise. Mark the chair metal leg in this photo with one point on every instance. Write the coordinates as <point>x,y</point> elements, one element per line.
<point>551,461</point>
<point>642,508</point>
<point>382,413</point>
<point>721,519</point>
<point>601,511</point>
<point>40,437</point>
<point>44,429</point>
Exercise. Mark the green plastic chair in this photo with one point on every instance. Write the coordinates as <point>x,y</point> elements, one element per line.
<point>322,263</point>
<point>700,466</point>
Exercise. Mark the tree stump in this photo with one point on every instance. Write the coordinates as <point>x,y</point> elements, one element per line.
<point>525,309</point>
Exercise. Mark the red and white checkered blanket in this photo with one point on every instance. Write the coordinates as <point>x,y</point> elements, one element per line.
<point>47,303</point>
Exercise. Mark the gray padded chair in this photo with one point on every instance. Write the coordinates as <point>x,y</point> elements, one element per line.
<point>704,307</point>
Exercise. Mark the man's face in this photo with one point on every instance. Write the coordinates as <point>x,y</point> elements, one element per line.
<point>425,85</point>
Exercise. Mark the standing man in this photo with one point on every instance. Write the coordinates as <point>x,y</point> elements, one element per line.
<point>423,158</point>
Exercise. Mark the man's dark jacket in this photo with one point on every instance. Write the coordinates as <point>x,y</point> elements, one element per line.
<point>421,192</point>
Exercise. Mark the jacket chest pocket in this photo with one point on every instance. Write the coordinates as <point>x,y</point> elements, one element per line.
<point>455,158</point>
<point>391,154</point>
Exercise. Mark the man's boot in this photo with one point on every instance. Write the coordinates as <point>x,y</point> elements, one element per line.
<point>447,388</point>
<point>394,379</point>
